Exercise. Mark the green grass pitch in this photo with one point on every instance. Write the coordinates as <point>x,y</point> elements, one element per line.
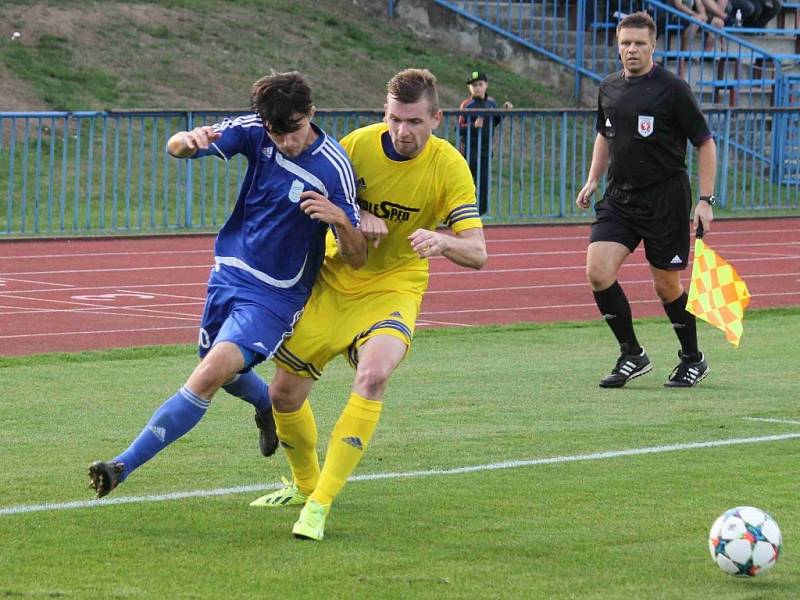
<point>447,513</point>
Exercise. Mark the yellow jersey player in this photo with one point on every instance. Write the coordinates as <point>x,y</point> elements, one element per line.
<point>409,182</point>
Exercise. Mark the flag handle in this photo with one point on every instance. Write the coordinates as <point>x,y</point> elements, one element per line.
<point>699,231</point>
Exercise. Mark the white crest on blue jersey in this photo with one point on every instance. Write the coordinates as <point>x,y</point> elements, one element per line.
<point>295,191</point>
<point>300,172</point>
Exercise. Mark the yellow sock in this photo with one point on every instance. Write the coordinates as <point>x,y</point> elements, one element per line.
<point>297,432</point>
<point>349,440</point>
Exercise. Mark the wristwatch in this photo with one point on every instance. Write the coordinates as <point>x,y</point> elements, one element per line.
<point>712,199</point>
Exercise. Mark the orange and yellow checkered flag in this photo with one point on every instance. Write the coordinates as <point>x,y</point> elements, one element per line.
<point>717,294</point>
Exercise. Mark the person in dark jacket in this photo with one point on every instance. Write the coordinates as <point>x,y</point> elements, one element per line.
<point>476,133</point>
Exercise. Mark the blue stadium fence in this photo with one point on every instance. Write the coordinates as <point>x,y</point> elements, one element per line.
<point>93,173</point>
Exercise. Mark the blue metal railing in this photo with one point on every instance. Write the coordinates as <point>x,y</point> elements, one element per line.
<point>723,68</point>
<point>100,172</point>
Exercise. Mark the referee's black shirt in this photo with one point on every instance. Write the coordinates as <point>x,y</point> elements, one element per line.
<point>646,121</point>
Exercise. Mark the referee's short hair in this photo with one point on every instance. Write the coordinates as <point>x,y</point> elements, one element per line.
<point>638,20</point>
<point>278,97</point>
<point>412,85</point>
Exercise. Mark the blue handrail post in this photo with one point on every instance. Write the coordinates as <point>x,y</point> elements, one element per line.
<point>390,9</point>
<point>579,40</point>
<point>723,181</point>
<point>187,217</point>
<point>562,167</point>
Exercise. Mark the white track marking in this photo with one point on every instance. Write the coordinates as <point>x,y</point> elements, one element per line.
<point>145,286</point>
<point>430,323</point>
<point>582,284</point>
<point>583,267</point>
<point>63,285</point>
<point>207,251</point>
<point>560,306</point>
<point>585,236</point>
<point>117,270</point>
<point>510,464</point>
<point>768,420</point>
<point>98,331</point>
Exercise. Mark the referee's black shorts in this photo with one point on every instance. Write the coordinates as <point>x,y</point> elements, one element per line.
<point>658,214</point>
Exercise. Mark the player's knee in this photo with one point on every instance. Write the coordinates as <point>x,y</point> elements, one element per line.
<point>598,278</point>
<point>284,396</point>
<point>372,378</point>
<point>206,379</point>
<point>667,291</point>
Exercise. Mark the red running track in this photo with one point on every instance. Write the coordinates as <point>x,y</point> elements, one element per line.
<point>83,294</point>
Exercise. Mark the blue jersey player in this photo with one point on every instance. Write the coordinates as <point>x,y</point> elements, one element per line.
<point>299,182</point>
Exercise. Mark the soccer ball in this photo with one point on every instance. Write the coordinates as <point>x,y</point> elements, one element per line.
<point>745,541</point>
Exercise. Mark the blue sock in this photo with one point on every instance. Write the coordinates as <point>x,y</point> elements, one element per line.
<point>251,388</point>
<point>174,418</point>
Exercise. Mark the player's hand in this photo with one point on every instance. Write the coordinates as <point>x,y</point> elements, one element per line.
<point>428,243</point>
<point>703,213</point>
<point>319,208</point>
<point>478,122</point>
<point>373,228</point>
<point>584,196</point>
<point>200,138</point>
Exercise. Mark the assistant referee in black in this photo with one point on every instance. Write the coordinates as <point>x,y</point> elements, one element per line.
<point>645,115</point>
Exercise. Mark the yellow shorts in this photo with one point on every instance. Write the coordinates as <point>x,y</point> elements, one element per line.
<point>334,323</point>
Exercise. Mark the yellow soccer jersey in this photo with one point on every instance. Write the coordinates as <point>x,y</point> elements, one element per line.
<point>423,192</point>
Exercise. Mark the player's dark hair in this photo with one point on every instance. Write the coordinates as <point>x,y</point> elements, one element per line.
<point>638,20</point>
<point>412,85</point>
<point>278,97</point>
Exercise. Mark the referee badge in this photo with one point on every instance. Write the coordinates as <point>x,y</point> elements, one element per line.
<point>646,124</point>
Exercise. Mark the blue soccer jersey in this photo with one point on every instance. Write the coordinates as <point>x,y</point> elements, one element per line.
<point>268,252</point>
<point>268,240</point>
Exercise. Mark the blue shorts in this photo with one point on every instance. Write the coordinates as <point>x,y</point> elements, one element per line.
<point>256,319</point>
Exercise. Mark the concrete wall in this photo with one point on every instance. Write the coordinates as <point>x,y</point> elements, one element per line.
<point>429,20</point>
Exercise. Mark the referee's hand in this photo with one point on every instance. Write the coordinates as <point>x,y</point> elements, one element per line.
<point>584,196</point>
<point>703,214</point>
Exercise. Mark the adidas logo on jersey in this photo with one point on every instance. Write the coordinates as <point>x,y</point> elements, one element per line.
<point>267,152</point>
<point>361,183</point>
<point>396,314</point>
<point>159,432</point>
<point>608,122</point>
<point>354,441</point>
<point>676,260</point>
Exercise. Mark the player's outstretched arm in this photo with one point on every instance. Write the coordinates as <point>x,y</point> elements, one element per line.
<point>466,248</point>
<point>352,244</point>
<point>185,144</point>
<point>596,171</point>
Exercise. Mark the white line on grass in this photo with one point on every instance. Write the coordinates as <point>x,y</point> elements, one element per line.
<point>511,464</point>
<point>766,420</point>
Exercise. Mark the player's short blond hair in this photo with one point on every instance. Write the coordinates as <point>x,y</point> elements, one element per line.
<point>412,85</point>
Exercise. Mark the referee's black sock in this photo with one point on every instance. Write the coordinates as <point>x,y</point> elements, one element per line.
<point>616,310</point>
<point>684,324</point>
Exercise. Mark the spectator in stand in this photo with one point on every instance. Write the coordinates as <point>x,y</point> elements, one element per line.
<point>748,8</point>
<point>764,12</point>
<point>697,10</point>
<point>722,9</point>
